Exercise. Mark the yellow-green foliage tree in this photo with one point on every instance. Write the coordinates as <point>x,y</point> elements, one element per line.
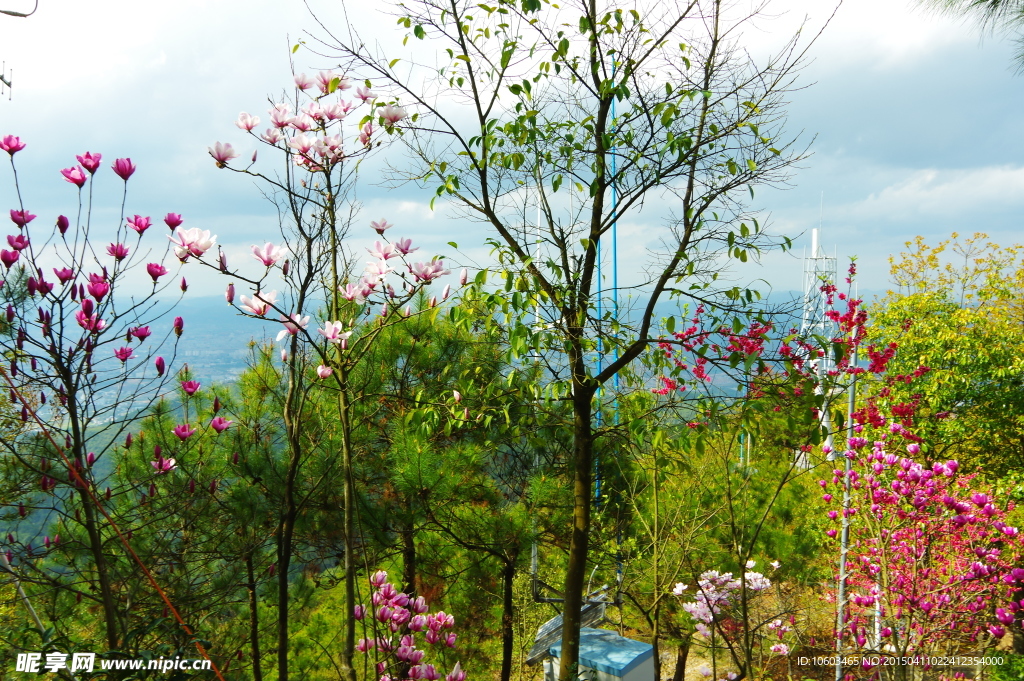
<point>957,314</point>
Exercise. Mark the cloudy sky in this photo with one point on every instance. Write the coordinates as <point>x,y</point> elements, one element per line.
<point>916,120</point>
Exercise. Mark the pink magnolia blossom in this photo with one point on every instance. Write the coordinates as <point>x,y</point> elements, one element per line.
<point>336,111</point>
<point>87,319</point>
<point>353,292</point>
<point>280,114</point>
<point>98,287</point>
<point>162,465</point>
<point>190,387</point>
<point>427,272</point>
<point>183,431</point>
<point>124,354</point>
<point>324,79</point>
<point>247,122</point>
<point>173,220</point>
<point>191,242</point>
<point>304,82</point>
<point>117,251</point>
<point>292,324</point>
<point>140,332</point>
<point>21,217</point>
<point>332,331</point>
<point>405,247</point>
<point>222,152</point>
<point>90,161</point>
<point>260,303</point>
<point>365,133</point>
<point>38,285</point>
<point>269,254</point>
<point>11,144</point>
<point>381,226</point>
<point>272,135</point>
<point>382,251</point>
<point>301,143</point>
<point>364,93</point>
<point>123,168</point>
<point>456,674</point>
<point>75,175</point>
<point>65,274</point>
<point>17,241</point>
<point>139,224</point>
<point>155,270</point>
<point>323,371</point>
<point>376,271</point>
<point>314,110</point>
<point>302,123</point>
<point>392,114</point>
<point>329,148</point>
<point>220,424</point>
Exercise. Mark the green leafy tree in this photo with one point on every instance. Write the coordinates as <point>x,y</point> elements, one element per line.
<point>956,315</point>
<point>593,107</point>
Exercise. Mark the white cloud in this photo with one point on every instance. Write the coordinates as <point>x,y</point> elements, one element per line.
<point>943,194</point>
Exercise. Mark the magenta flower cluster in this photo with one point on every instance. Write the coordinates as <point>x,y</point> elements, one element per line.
<point>931,552</point>
<point>396,620</point>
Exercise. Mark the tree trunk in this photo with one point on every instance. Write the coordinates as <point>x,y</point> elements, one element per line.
<point>286,526</point>
<point>682,652</point>
<point>576,571</point>
<point>102,570</point>
<point>409,555</point>
<point>254,622</point>
<point>348,669</point>
<point>508,576</point>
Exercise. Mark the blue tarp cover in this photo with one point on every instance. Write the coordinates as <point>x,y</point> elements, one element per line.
<point>608,652</point>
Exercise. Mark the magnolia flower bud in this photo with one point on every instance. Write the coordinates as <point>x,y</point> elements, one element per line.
<point>179,324</point>
<point>223,261</point>
<point>463,276</point>
<point>229,294</point>
<point>184,285</point>
<point>457,396</point>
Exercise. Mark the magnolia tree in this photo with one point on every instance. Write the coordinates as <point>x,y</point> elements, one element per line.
<point>932,560</point>
<point>392,625</point>
<point>736,614</point>
<point>314,267</point>
<point>82,370</point>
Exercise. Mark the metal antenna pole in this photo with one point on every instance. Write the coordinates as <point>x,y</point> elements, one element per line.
<point>844,540</point>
